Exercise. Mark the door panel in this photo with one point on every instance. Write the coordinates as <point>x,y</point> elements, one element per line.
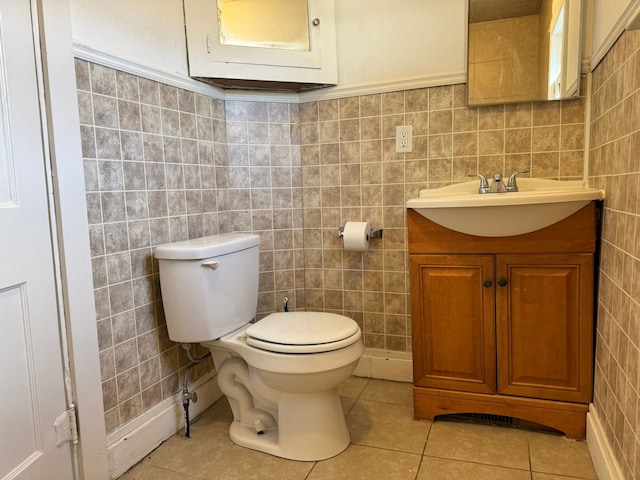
<point>19,409</point>
<point>30,344</point>
<point>544,325</point>
<point>453,322</point>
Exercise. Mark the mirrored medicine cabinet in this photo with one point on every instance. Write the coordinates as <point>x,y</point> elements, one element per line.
<point>274,44</point>
<point>524,50</point>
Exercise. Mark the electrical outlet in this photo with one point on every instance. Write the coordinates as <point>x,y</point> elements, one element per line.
<point>404,139</point>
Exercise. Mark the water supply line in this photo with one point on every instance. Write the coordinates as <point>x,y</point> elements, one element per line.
<point>187,396</point>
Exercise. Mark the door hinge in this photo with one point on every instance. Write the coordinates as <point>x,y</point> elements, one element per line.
<point>66,427</point>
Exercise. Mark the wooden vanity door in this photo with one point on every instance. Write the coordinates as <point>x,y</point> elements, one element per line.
<point>453,329</point>
<point>544,323</point>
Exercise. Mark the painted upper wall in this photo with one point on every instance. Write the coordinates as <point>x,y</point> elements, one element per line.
<point>379,42</point>
<point>386,43</point>
<point>606,14</point>
<point>147,32</point>
<point>610,18</point>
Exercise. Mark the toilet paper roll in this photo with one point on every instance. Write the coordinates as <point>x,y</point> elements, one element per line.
<point>355,236</point>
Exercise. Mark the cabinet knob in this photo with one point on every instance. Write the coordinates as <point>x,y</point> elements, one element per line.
<point>315,22</point>
<point>502,282</point>
<point>487,283</point>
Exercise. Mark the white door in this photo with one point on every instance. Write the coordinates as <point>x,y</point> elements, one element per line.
<point>31,365</point>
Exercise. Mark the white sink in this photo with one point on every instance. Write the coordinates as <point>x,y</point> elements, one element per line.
<point>538,204</point>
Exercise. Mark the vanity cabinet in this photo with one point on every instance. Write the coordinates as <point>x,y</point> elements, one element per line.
<point>504,325</point>
<point>280,45</point>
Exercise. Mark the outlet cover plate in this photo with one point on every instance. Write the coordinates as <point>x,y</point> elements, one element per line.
<point>404,139</point>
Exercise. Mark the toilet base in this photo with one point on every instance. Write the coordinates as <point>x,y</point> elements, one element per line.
<point>311,427</point>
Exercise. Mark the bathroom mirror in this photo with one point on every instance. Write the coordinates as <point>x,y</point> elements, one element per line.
<point>281,24</point>
<point>524,50</point>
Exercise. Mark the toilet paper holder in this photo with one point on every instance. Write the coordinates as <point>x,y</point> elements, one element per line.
<point>373,233</point>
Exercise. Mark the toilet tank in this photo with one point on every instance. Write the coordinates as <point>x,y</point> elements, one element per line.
<point>209,285</point>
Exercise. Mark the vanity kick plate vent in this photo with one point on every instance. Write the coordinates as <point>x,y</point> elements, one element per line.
<point>498,419</point>
<point>485,418</point>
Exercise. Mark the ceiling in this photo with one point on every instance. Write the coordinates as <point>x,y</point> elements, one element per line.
<point>487,10</point>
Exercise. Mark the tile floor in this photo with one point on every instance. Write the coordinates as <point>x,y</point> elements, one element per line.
<point>386,443</point>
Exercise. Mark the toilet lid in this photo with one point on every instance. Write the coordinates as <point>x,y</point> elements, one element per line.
<point>303,332</point>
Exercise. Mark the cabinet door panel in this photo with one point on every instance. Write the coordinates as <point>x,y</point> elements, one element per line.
<point>253,47</point>
<point>544,324</point>
<point>452,319</point>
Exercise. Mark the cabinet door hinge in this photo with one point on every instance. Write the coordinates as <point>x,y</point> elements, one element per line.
<point>208,43</point>
<point>66,427</point>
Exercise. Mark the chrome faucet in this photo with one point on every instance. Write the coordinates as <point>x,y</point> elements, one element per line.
<point>497,186</point>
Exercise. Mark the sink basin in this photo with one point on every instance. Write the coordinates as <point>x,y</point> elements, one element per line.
<point>538,204</point>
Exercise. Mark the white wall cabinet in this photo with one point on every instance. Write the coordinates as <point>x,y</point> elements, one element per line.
<point>232,64</point>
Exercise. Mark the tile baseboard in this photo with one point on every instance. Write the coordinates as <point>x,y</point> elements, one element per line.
<point>386,365</point>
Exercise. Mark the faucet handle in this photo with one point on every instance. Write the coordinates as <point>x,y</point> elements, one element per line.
<point>512,185</point>
<point>484,184</point>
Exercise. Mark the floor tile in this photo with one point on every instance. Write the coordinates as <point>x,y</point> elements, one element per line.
<point>397,393</point>
<point>218,416</point>
<point>197,455</point>
<point>365,463</point>
<point>384,425</point>
<point>546,476</point>
<point>347,404</point>
<point>194,456</point>
<point>146,471</point>
<point>353,387</point>
<point>444,469</point>
<point>500,446</point>
<point>239,463</point>
<point>387,443</point>
<point>560,456</point>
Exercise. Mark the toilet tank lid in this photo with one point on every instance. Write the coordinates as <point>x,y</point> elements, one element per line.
<point>206,247</point>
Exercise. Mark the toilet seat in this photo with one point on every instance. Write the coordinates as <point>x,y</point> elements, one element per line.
<point>303,332</point>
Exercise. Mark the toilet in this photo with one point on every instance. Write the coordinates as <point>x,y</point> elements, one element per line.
<point>280,374</point>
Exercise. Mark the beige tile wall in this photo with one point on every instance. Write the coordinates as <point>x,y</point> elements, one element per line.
<point>159,168</point>
<point>164,164</point>
<point>615,166</point>
<point>350,172</point>
<point>265,195</point>
<point>153,159</point>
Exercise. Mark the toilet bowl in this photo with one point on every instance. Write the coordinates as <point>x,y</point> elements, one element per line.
<point>280,374</point>
<point>298,391</point>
